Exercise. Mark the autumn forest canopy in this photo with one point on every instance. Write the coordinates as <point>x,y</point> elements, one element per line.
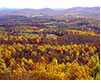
<point>50,44</point>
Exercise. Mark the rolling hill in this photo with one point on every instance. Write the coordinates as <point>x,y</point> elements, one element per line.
<point>83,12</point>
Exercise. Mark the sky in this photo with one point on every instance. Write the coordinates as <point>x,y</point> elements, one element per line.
<point>37,4</point>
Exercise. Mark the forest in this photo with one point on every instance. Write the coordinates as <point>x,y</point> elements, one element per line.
<point>49,48</point>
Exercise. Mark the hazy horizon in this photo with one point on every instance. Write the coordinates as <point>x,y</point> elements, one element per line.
<point>47,8</point>
<point>52,4</point>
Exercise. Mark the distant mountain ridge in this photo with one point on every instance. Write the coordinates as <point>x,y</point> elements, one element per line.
<point>86,12</point>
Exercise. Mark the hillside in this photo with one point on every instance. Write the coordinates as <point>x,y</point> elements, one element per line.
<point>50,44</point>
<point>88,12</point>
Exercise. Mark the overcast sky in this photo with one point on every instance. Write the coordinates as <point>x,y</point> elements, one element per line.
<point>37,4</point>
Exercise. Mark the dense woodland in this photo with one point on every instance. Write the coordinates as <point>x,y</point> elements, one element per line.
<point>49,48</point>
